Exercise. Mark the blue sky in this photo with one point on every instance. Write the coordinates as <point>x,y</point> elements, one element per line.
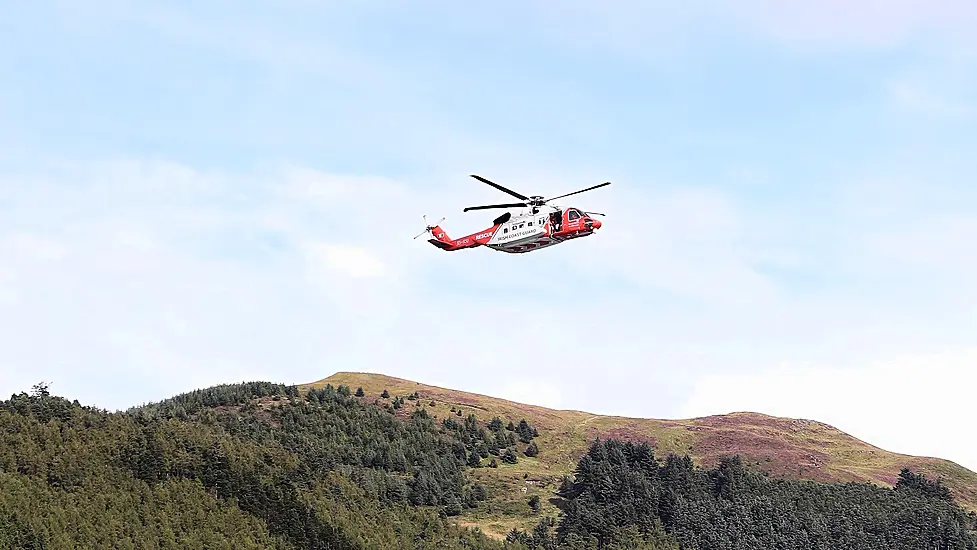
<point>197,193</point>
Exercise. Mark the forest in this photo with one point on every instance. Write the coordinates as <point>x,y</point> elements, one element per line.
<point>262,465</point>
<point>238,466</point>
<point>621,492</point>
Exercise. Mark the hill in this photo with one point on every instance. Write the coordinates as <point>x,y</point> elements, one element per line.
<point>330,467</point>
<point>236,466</point>
<point>784,447</point>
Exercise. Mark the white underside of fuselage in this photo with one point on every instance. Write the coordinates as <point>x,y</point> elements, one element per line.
<point>535,242</point>
<point>527,245</point>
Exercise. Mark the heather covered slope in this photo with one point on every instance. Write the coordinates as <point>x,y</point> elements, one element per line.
<point>799,449</point>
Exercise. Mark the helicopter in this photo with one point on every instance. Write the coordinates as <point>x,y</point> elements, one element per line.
<point>541,226</point>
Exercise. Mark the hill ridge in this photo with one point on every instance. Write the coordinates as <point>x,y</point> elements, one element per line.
<point>595,415</point>
<point>796,448</point>
<point>340,374</point>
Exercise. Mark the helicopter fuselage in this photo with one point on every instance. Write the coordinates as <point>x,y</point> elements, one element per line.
<point>524,232</point>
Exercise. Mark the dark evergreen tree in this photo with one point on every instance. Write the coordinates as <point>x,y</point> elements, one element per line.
<point>526,432</point>
<point>41,389</point>
<point>479,492</point>
<point>919,484</point>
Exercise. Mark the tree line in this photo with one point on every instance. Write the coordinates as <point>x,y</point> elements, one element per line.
<point>623,496</point>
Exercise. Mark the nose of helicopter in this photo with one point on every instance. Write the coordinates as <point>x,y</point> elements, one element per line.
<point>596,224</point>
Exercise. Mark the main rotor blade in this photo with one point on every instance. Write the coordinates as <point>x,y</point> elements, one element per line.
<point>500,188</point>
<point>486,207</point>
<point>581,191</point>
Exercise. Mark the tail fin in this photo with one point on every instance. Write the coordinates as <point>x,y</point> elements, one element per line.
<point>441,239</point>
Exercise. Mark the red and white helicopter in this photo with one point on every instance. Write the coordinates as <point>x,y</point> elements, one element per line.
<point>541,226</point>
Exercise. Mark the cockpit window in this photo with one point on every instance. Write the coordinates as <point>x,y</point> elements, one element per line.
<point>573,215</point>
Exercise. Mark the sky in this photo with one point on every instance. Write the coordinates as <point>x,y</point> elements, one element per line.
<point>195,193</point>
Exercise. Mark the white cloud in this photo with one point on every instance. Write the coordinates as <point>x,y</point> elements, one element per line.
<point>945,243</point>
<point>690,241</point>
<point>667,30</point>
<point>352,261</point>
<point>842,24</point>
<point>921,98</point>
<point>940,89</point>
<point>34,246</point>
<point>7,293</point>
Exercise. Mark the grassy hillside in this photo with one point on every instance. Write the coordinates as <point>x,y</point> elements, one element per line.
<point>799,449</point>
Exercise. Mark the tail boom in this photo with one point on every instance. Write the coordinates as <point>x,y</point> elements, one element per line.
<point>444,242</point>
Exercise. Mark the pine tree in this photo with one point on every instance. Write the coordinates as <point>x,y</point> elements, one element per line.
<point>509,457</point>
<point>526,431</point>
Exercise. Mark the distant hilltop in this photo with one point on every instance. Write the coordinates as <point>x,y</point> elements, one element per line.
<point>787,447</point>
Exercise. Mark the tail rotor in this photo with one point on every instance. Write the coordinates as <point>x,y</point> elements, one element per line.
<point>427,226</point>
